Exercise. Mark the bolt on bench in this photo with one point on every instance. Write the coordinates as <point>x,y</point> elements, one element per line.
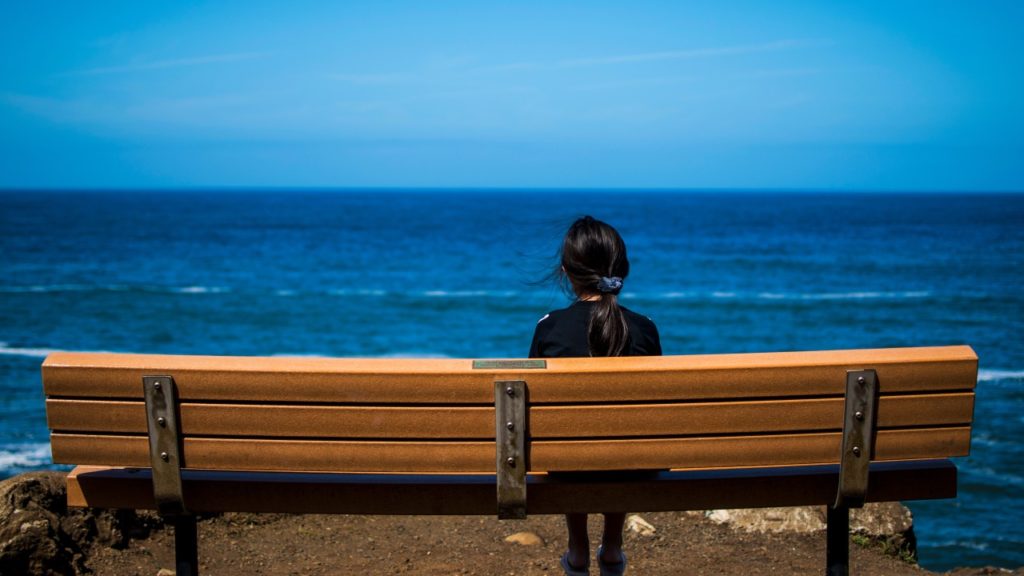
<point>194,434</point>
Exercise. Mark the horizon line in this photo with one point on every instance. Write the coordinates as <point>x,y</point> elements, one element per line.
<point>498,189</point>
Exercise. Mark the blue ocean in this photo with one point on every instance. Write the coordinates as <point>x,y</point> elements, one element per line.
<point>462,274</point>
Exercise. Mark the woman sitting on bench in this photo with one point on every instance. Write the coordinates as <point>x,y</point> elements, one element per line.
<point>593,264</point>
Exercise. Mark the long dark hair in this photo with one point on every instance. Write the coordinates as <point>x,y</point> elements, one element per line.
<point>594,263</point>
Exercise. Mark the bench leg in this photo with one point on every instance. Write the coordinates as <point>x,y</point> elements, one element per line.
<point>186,546</point>
<point>837,547</point>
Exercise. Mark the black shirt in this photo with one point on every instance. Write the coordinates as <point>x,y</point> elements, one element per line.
<point>563,334</point>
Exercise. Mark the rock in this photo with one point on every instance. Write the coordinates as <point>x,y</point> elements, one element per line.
<point>165,572</point>
<point>875,519</point>
<point>881,519</point>
<point>889,524</point>
<point>634,523</point>
<point>39,535</point>
<point>525,539</point>
<point>801,519</point>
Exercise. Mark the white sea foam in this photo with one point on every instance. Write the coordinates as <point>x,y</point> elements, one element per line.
<point>44,352</point>
<point>1001,478</point>
<point>6,350</point>
<point>975,545</point>
<point>805,296</point>
<point>842,295</point>
<point>413,355</point>
<point>985,440</point>
<point>986,375</point>
<point>391,355</point>
<point>58,288</point>
<point>467,293</point>
<point>672,294</point>
<point>360,292</point>
<point>31,352</point>
<point>200,290</point>
<point>24,456</point>
<point>54,288</point>
<point>865,295</point>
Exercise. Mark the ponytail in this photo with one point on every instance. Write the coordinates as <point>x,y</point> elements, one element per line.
<point>608,332</point>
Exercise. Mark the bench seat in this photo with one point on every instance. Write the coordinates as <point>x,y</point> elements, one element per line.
<point>473,494</point>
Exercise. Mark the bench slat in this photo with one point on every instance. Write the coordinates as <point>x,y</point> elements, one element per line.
<point>452,456</point>
<point>278,421</point>
<point>404,381</point>
<point>742,451</point>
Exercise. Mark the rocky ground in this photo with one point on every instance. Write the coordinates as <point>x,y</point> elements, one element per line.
<point>37,536</point>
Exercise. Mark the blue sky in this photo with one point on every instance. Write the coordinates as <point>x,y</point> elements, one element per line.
<point>813,95</point>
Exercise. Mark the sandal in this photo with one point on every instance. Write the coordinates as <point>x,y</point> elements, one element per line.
<point>617,569</point>
<point>570,571</point>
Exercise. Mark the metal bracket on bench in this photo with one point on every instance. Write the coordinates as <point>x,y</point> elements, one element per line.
<point>510,433</point>
<point>164,443</point>
<point>858,448</point>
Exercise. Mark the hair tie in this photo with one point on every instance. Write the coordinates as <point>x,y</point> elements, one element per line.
<point>609,285</point>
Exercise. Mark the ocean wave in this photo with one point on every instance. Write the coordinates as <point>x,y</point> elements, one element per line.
<point>6,350</point>
<point>433,293</point>
<point>468,293</point>
<point>56,288</point>
<point>1000,478</point>
<point>714,295</point>
<point>199,290</point>
<point>985,439</point>
<point>472,293</point>
<point>972,544</point>
<point>61,288</point>
<point>413,355</point>
<point>842,295</point>
<point>44,352</point>
<point>454,294</point>
<point>792,296</point>
<point>391,355</point>
<point>30,352</point>
<point>15,457</point>
<point>987,375</point>
<point>866,295</point>
<point>360,292</point>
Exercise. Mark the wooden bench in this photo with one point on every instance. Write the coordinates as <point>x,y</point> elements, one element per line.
<point>197,434</point>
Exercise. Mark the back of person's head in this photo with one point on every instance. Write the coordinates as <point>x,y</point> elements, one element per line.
<point>594,262</point>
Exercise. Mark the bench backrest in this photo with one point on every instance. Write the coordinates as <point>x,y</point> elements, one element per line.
<point>438,415</point>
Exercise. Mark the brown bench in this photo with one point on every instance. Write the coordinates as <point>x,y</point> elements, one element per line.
<point>197,434</point>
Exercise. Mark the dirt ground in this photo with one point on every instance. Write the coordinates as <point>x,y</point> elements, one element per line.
<point>684,543</point>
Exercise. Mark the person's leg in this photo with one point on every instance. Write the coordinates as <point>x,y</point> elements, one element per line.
<point>579,541</point>
<point>611,540</point>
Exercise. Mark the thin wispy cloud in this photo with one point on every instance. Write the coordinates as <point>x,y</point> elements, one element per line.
<point>691,54</point>
<point>688,54</point>
<point>785,72</point>
<point>373,79</point>
<point>395,78</point>
<point>169,63</point>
